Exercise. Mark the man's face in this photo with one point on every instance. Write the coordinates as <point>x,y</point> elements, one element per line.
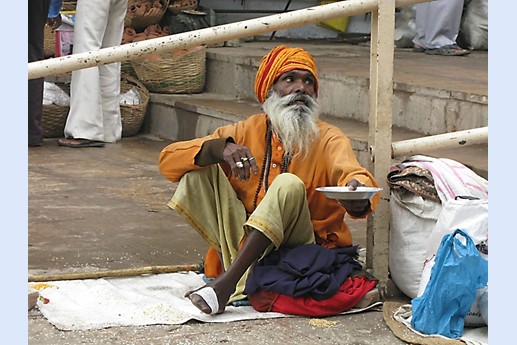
<point>293,110</point>
<point>295,81</point>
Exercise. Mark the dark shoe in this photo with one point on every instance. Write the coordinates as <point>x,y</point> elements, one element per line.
<point>450,50</point>
<point>36,144</point>
<point>78,143</point>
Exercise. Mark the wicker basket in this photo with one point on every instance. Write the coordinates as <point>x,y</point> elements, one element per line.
<point>180,72</point>
<point>176,6</point>
<point>140,22</point>
<point>54,116</point>
<point>133,115</point>
<point>49,42</point>
<point>127,68</point>
<point>53,120</point>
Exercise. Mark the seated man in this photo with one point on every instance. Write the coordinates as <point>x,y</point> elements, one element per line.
<point>249,188</point>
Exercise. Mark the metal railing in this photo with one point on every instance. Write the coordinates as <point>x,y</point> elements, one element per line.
<point>442,141</point>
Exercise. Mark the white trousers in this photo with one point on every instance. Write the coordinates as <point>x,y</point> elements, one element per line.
<point>437,23</point>
<point>95,91</point>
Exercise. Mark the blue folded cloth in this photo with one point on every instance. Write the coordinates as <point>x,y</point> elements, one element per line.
<point>309,270</point>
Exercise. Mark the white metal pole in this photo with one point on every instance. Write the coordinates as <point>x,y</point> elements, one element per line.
<point>380,123</point>
<point>442,141</point>
<point>210,35</point>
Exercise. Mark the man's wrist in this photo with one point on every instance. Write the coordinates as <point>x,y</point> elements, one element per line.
<point>211,151</point>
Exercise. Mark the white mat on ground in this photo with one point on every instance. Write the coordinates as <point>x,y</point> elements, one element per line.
<point>471,336</point>
<point>135,301</point>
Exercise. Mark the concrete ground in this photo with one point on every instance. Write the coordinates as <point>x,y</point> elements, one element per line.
<point>105,208</point>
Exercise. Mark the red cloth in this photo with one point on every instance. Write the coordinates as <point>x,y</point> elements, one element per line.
<point>348,295</point>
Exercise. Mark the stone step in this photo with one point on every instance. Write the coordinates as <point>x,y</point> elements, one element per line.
<point>182,117</point>
<point>432,94</point>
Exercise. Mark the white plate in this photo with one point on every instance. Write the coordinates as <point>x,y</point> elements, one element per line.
<point>344,193</point>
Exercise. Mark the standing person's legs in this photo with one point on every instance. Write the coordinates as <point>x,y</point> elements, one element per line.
<point>37,17</point>
<point>85,116</point>
<point>437,23</point>
<point>110,73</point>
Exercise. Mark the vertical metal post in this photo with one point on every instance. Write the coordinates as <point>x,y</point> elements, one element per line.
<point>380,136</point>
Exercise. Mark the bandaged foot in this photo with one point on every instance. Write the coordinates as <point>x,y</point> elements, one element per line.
<point>205,299</point>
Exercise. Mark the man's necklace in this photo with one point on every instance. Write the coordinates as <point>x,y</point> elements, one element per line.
<point>264,172</point>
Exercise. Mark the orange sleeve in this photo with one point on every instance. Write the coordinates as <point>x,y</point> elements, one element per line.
<point>345,167</point>
<point>179,157</point>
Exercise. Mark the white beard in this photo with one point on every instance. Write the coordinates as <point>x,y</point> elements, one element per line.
<point>294,123</point>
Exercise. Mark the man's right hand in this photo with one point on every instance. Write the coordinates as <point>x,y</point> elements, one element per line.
<point>240,160</point>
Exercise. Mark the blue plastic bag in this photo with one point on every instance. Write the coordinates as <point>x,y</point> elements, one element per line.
<point>457,273</point>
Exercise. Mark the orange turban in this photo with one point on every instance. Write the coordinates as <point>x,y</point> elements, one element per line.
<point>279,60</point>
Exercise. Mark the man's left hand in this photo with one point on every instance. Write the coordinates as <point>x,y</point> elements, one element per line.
<point>54,23</point>
<point>355,207</point>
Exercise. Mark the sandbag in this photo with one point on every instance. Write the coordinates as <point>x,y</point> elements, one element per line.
<point>405,27</point>
<point>412,221</point>
<point>469,214</point>
<point>474,26</point>
<point>483,305</point>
